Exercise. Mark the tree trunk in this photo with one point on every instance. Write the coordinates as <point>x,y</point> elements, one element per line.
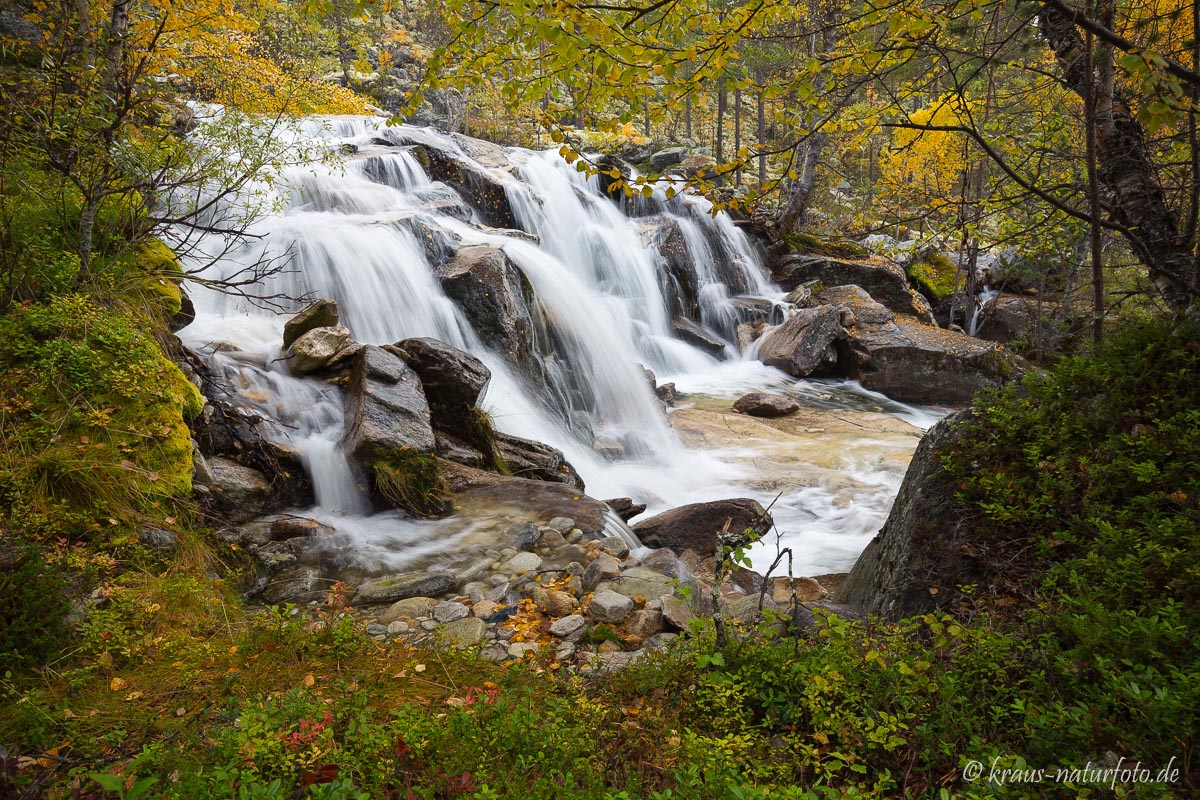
<point>762,135</point>
<point>344,53</point>
<point>1124,163</point>
<point>737,132</point>
<point>721,122</point>
<point>800,193</point>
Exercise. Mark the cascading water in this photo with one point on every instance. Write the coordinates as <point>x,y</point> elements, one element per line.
<point>351,233</point>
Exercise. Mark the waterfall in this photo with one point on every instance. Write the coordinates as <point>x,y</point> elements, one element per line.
<point>371,229</point>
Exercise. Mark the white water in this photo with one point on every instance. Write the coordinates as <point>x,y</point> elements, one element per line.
<point>342,233</point>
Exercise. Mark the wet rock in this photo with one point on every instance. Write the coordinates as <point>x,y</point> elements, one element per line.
<point>295,527</point>
<point>610,607</point>
<point>408,608</point>
<point>664,561</point>
<point>678,276</point>
<point>625,507</point>
<point>385,407</point>
<point>696,526</point>
<point>522,563</point>
<point>239,493</point>
<point>524,536</point>
<point>496,299</point>
<point>399,587</point>
<point>446,612</point>
<point>561,524</point>
<point>883,280</point>
<point>535,498</point>
<point>297,584</point>
<point>453,382</point>
<point>756,310</point>
<point>615,546</point>
<point>525,458</point>
<point>698,335</point>
<point>805,344</point>
<point>762,404</point>
<point>321,314</point>
<point>465,632</point>
<point>314,350</point>
<point>862,308</point>
<point>482,187</point>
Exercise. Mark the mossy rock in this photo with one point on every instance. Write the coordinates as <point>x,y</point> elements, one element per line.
<point>96,429</point>
<point>162,273</point>
<point>814,245</point>
<point>410,480</point>
<point>935,275</point>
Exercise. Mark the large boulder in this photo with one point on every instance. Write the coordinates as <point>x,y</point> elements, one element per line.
<point>474,488</point>
<point>923,553</point>
<point>883,280</point>
<point>321,314</point>
<point>453,381</point>
<point>482,184</point>
<point>496,298</point>
<point>695,527</point>
<point>678,273</point>
<point>386,408</point>
<point>917,363</point>
<point>667,158</point>
<point>804,344</point>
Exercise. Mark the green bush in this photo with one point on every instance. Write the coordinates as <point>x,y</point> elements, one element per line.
<point>33,609</point>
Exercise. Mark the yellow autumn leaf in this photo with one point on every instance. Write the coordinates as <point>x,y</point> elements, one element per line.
<point>117,684</point>
<point>309,680</point>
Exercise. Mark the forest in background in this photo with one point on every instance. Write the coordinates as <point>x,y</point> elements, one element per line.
<point>970,127</point>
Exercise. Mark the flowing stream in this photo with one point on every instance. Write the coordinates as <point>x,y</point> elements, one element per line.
<point>358,230</point>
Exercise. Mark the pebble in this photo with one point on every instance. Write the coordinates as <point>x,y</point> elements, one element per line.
<point>562,628</point>
<point>396,628</point>
<point>375,629</point>
<point>561,524</point>
<point>615,546</point>
<point>523,562</point>
<point>660,640</point>
<point>522,649</point>
<point>608,606</point>
<point>448,612</point>
<point>574,536</point>
<point>494,652</point>
<point>564,651</point>
<point>484,608</point>
<point>411,607</point>
<point>465,632</point>
<point>429,625</point>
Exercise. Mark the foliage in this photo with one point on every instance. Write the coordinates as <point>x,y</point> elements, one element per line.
<point>92,423</point>
<point>411,480</point>
<point>33,606</point>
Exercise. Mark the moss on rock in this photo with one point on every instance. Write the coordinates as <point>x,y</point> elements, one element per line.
<point>935,275</point>
<point>411,481</point>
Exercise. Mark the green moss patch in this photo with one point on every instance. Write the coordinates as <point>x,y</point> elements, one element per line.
<point>411,481</point>
<point>93,419</point>
<point>934,275</point>
<point>814,245</point>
